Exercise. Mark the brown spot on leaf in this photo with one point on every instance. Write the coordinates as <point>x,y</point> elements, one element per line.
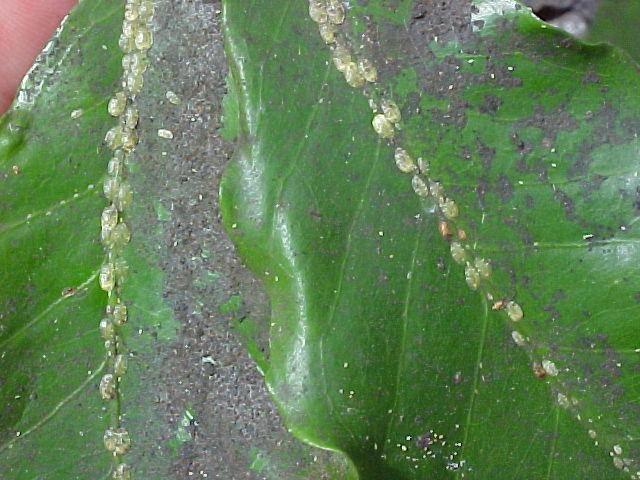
<point>490,104</point>
<point>505,189</point>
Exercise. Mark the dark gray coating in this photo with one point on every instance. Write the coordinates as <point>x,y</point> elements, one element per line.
<point>206,369</point>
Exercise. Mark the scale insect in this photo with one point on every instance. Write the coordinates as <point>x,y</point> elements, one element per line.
<point>483,267</point>
<point>341,57</point>
<point>353,75</point>
<point>117,440</point>
<point>391,111</point>
<point>404,162</point>
<point>449,208</point>
<point>514,311</point>
<point>419,186</point>
<point>117,104</point>
<point>382,126</point>
<point>119,237</point>
<point>131,117</point>
<point>368,70</point>
<point>108,387</point>
<point>107,331</point>
<point>518,338</point>
<point>122,472</point>
<point>458,253</point>
<point>472,276</point>
<point>122,195</point>
<point>538,370</point>
<point>144,39</point>
<point>120,314</point>
<point>113,138</point>
<point>550,368</point>
<point>107,277</point>
<point>119,365</point>
<point>318,11</point>
<point>335,12</point>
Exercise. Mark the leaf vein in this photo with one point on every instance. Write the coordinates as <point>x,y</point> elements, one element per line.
<point>403,341</point>
<point>55,409</point>
<point>476,375</point>
<point>40,213</point>
<point>554,443</point>
<point>50,307</point>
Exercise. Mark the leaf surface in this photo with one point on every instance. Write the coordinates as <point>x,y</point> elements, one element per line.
<point>379,347</point>
<point>53,163</point>
<point>53,358</point>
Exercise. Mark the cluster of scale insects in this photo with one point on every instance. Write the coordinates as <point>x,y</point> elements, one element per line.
<point>135,40</point>
<point>359,72</point>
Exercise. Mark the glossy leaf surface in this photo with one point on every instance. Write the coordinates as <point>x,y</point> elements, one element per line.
<point>379,348</point>
<point>51,353</point>
<point>53,162</point>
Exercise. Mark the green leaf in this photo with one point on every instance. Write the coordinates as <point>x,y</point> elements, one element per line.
<point>53,163</point>
<point>52,356</point>
<point>616,22</point>
<point>379,347</point>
